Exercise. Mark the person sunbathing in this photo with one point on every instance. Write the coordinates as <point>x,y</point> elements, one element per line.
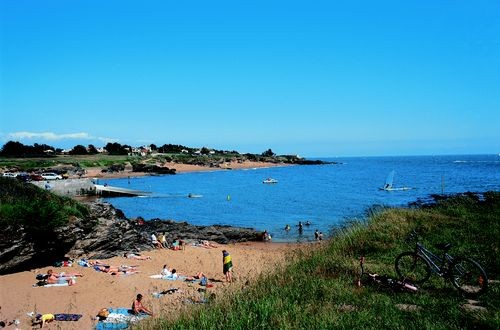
<point>136,256</point>
<point>197,276</point>
<point>90,263</point>
<point>165,271</point>
<point>115,269</point>
<point>124,272</point>
<point>207,244</point>
<point>61,278</point>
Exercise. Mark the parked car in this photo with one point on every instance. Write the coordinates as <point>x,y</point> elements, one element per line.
<point>9,175</point>
<point>51,176</point>
<point>36,177</point>
<point>25,177</point>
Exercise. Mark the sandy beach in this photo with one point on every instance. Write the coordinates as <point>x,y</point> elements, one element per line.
<point>96,172</point>
<point>96,290</point>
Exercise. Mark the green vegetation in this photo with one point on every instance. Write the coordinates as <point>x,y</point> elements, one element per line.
<point>84,161</point>
<point>317,290</point>
<point>34,209</point>
<point>15,156</point>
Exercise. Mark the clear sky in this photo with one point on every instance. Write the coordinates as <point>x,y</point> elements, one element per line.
<point>315,78</point>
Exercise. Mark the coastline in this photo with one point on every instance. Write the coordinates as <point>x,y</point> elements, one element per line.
<point>96,290</point>
<point>96,172</point>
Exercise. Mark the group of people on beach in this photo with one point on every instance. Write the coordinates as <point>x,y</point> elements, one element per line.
<point>160,242</point>
<point>137,305</point>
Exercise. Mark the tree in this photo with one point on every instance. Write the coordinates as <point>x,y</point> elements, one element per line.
<point>268,153</point>
<point>78,150</point>
<point>153,147</point>
<point>205,151</point>
<point>91,149</point>
<point>115,149</point>
<point>12,148</point>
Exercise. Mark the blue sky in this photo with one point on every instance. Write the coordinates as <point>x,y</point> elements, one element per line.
<point>315,78</point>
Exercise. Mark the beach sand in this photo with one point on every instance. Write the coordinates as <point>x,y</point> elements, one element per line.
<point>96,290</point>
<point>96,172</point>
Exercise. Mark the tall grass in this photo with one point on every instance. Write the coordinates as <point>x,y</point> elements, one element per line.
<point>316,290</point>
<point>34,209</point>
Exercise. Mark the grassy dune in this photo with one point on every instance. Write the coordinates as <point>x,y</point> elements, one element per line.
<point>317,290</point>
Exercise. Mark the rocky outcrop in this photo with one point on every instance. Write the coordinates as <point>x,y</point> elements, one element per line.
<point>147,168</point>
<point>185,231</point>
<point>105,233</point>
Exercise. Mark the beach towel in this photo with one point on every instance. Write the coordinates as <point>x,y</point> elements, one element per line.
<point>62,282</point>
<point>169,291</point>
<point>119,318</point>
<point>169,277</point>
<point>67,317</point>
<point>227,261</point>
<point>56,284</point>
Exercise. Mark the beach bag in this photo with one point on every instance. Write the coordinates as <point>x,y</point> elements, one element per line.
<point>103,314</point>
<point>204,281</point>
<point>41,277</point>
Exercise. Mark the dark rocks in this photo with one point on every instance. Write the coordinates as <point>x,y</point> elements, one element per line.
<point>183,230</point>
<point>103,234</point>
<point>146,168</point>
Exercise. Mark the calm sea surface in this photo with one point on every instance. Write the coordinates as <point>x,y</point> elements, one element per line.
<point>326,195</point>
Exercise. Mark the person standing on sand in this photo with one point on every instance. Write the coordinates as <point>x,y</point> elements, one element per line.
<point>227,267</point>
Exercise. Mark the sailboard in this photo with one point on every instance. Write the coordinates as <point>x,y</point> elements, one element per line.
<point>388,186</point>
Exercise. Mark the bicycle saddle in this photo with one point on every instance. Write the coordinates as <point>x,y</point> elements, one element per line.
<point>443,246</point>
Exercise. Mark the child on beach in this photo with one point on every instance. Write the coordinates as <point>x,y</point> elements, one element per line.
<point>42,319</point>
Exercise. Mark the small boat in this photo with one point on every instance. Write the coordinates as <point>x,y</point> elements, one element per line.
<point>194,196</point>
<point>388,186</point>
<point>270,180</point>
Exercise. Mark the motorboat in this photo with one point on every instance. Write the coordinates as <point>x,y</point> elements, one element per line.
<point>270,180</point>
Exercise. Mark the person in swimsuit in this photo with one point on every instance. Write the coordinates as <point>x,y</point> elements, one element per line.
<point>59,278</point>
<point>138,307</point>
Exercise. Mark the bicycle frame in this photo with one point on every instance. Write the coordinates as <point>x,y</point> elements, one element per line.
<point>437,263</point>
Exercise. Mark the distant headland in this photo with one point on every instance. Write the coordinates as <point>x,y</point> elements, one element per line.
<point>117,160</point>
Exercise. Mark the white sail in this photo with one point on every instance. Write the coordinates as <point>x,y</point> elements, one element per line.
<point>388,186</point>
<point>389,180</point>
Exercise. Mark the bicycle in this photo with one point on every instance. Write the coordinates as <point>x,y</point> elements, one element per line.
<point>418,265</point>
<point>383,280</point>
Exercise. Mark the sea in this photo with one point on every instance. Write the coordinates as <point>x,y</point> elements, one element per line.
<point>326,196</point>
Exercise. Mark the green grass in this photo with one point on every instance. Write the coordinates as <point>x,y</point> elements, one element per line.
<point>28,164</point>
<point>23,205</point>
<point>316,290</point>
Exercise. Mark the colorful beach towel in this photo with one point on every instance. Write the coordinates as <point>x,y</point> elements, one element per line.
<point>119,318</point>
<point>67,317</point>
<point>227,262</point>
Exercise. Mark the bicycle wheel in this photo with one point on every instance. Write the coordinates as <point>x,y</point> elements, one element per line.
<point>412,267</point>
<point>468,276</point>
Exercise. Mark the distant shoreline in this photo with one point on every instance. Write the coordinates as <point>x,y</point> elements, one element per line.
<point>96,172</point>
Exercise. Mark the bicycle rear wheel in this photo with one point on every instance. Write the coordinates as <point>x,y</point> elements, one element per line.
<point>412,267</point>
<point>468,276</point>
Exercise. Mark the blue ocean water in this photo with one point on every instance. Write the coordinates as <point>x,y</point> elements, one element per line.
<point>326,195</point>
